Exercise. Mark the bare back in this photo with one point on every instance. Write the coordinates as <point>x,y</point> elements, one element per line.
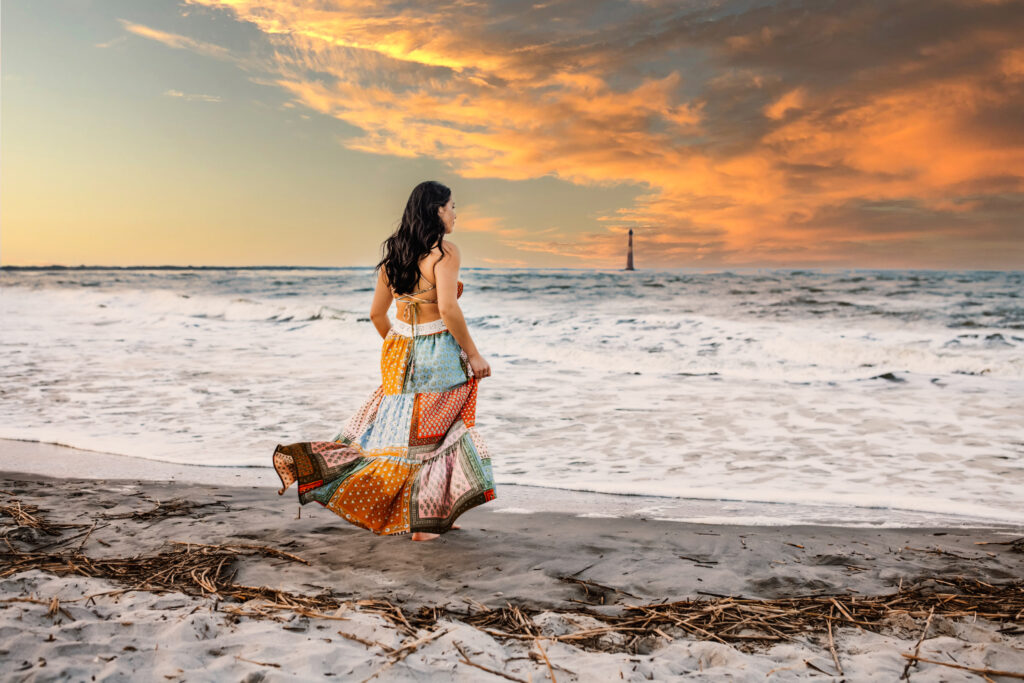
<point>428,310</point>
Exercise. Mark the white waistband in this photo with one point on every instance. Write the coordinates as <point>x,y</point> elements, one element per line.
<point>405,329</point>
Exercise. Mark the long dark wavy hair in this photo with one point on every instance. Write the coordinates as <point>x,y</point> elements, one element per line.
<point>420,231</point>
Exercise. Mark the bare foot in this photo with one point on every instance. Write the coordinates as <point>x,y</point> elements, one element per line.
<point>423,536</point>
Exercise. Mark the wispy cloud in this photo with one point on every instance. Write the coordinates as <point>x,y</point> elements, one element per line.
<point>192,97</point>
<point>506,263</point>
<point>176,41</point>
<point>112,42</point>
<point>840,133</point>
<point>472,218</point>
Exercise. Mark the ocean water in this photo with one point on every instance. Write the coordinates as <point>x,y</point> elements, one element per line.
<point>852,390</point>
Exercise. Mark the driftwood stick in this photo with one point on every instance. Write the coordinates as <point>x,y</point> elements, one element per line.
<point>972,669</point>
<point>466,660</point>
<point>551,671</point>
<point>247,546</point>
<point>367,643</point>
<point>815,667</point>
<point>845,613</point>
<point>832,645</point>
<point>1016,540</point>
<point>502,634</point>
<point>594,584</point>
<point>61,541</point>
<point>87,535</point>
<point>317,614</point>
<point>940,551</point>
<point>401,653</point>
<point>917,648</point>
<point>253,661</point>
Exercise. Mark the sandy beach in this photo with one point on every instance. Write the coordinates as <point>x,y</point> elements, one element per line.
<point>564,573</point>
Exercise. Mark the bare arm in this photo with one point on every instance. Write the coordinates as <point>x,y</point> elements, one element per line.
<point>446,274</point>
<point>381,305</point>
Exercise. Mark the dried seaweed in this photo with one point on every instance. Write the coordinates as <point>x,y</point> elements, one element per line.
<point>28,516</point>
<point>176,507</point>
<point>209,570</point>
<point>195,569</point>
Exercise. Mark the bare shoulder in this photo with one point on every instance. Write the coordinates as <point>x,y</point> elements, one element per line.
<point>449,265</point>
<point>450,249</point>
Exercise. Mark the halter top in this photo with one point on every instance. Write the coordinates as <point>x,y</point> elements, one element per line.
<point>412,305</point>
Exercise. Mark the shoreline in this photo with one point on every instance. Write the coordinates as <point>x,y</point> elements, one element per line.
<point>58,460</point>
<point>548,564</point>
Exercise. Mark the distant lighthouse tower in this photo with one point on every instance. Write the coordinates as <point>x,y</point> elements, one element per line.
<point>629,255</point>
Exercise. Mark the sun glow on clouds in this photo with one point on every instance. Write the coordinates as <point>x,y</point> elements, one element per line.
<point>854,134</point>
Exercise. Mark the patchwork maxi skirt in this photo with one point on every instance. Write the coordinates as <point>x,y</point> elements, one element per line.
<point>410,459</point>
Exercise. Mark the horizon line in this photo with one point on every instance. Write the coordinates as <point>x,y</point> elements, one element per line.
<point>609,268</point>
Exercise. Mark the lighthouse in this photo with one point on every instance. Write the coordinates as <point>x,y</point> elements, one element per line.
<point>629,254</point>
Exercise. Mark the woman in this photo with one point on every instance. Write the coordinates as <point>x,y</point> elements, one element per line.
<point>409,460</point>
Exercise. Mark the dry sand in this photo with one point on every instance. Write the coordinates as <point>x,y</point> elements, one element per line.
<point>495,559</point>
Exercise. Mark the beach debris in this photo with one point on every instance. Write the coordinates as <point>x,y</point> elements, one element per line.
<point>27,515</point>
<point>395,615</point>
<point>400,653</point>
<point>367,643</point>
<point>27,518</point>
<point>175,507</point>
<point>917,648</point>
<point>189,568</point>
<point>832,644</point>
<point>253,661</point>
<point>266,550</point>
<point>1010,542</point>
<point>599,590</point>
<point>939,551</point>
<point>810,665</point>
<point>889,376</point>
<point>1016,545</point>
<point>972,669</point>
<point>466,660</point>
<point>209,570</point>
<point>551,672</point>
<point>53,606</point>
<point>68,539</point>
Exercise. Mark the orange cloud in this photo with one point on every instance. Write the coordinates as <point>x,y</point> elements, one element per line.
<point>472,219</point>
<point>755,144</point>
<point>794,99</point>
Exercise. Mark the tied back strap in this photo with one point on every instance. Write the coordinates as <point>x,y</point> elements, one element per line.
<point>412,310</point>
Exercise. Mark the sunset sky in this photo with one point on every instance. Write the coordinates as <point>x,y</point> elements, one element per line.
<point>726,133</point>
